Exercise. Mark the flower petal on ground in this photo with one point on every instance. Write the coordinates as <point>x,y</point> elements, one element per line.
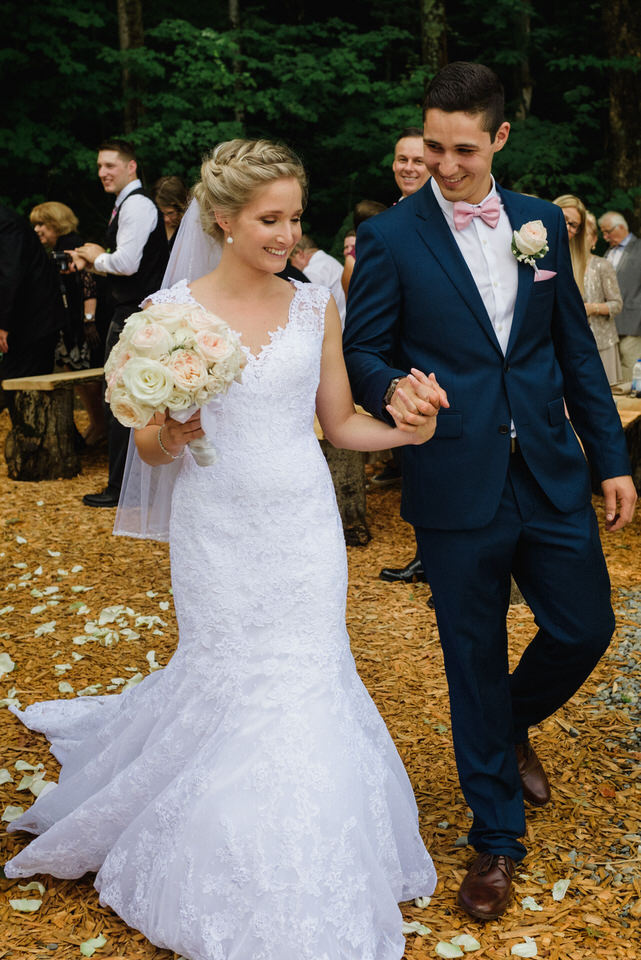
<point>444,949</point>
<point>6,664</point>
<point>89,947</point>
<point>527,949</point>
<point>529,903</point>
<point>25,906</point>
<point>11,813</point>
<point>560,889</point>
<point>415,926</point>
<point>466,941</point>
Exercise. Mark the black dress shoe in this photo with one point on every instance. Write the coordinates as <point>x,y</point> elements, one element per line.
<point>413,571</point>
<point>106,498</point>
<point>389,476</point>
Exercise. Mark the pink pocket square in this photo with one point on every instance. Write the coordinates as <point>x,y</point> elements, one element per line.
<point>543,275</point>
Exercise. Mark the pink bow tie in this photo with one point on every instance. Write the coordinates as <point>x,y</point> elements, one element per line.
<point>489,211</point>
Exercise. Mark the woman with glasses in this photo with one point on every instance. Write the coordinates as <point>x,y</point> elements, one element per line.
<point>596,280</point>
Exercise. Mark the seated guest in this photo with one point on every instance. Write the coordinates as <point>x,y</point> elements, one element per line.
<point>171,197</point>
<point>597,282</point>
<point>79,345</point>
<point>320,267</point>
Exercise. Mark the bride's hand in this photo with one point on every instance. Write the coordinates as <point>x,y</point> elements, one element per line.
<point>415,405</point>
<point>176,435</point>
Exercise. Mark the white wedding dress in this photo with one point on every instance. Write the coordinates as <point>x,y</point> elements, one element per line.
<point>246,802</point>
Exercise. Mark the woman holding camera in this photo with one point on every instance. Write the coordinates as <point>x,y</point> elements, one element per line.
<point>80,346</point>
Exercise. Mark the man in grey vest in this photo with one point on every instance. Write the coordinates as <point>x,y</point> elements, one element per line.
<point>625,256</point>
<point>134,264</point>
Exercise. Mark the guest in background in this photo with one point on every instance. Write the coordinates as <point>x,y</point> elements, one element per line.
<point>349,259</point>
<point>171,197</point>
<point>133,268</point>
<point>602,294</point>
<point>320,267</point>
<point>31,310</point>
<point>79,345</point>
<point>625,256</point>
<point>363,210</point>
<point>409,167</point>
<point>597,283</point>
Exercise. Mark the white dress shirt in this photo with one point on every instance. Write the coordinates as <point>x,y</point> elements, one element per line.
<point>136,220</point>
<point>614,254</point>
<point>488,253</point>
<point>327,271</point>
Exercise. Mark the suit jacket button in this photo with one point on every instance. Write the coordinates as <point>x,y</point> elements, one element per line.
<point>504,428</point>
<point>506,366</point>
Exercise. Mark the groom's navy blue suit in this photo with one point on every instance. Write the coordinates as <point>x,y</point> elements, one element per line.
<point>479,510</point>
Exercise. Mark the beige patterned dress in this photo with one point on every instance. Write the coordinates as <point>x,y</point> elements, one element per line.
<point>601,286</point>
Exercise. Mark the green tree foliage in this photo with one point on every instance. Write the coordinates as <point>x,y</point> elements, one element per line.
<point>337,89</point>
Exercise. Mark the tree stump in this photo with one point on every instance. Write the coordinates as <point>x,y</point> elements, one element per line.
<point>40,444</point>
<point>347,468</point>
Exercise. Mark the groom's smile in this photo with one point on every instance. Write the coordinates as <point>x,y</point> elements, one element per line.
<point>459,153</point>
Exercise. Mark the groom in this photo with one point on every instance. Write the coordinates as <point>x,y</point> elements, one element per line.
<point>504,485</point>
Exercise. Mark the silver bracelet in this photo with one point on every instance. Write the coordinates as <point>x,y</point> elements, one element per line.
<point>164,449</point>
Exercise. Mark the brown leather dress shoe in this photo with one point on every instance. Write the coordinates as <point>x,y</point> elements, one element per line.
<point>487,886</point>
<point>536,788</point>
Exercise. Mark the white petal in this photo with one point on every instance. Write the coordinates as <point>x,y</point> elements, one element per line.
<point>415,926</point>
<point>527,949</point>
<point>12,813</point>
<point>6,664</point>
<point>8,609</point>
<point>34,885</point>
<point>65,687</point>
<point>560,889</point>
<point>529,903</point>
<point>444,949</point>
<point>25,906</point>
<point>422,902</point>
<point>466,941</point>
<point>5,776</point>
<point>53,553</point>
<point>89,947</point>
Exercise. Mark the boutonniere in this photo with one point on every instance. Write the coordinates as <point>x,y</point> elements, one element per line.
<point>529,244</point>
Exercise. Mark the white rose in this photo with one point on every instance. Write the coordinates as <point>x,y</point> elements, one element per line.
<point>201,319</point>
<point>214,347</point>
<point>127,411</point>
<point>531,238</point>
<point>172,316</point>
<point>147,381</point>
<point>133,323</point>
<point>151,340</point>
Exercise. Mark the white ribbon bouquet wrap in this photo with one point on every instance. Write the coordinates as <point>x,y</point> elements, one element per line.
<point>174,357</point>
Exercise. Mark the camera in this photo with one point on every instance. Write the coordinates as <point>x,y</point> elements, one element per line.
<point>62,261</point>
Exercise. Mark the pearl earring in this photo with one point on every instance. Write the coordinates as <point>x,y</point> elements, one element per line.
<point>230,239</point>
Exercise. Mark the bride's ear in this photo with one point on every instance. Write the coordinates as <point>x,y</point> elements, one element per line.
<point>222,221</point>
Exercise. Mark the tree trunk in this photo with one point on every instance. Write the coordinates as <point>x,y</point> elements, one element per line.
<point>622,28</point>
<point>347,468</point>
<point>234,19</point>
<point>131,36</point>
<point>523,75</point>
<point>433,37</point>
<point>40,444</point>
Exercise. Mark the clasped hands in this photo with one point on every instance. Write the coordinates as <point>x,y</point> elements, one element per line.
<point>416,403</point>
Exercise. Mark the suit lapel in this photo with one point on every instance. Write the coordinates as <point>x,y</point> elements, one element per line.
<point>517,215</point>
<point>434,231</point>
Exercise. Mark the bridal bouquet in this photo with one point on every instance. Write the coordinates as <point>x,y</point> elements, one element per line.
<point>172,356</point>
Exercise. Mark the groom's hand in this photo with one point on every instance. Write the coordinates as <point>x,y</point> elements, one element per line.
<point>416,397</point>
<point>620,497</point>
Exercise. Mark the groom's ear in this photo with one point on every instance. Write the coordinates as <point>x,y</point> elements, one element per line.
<point>502,134</point>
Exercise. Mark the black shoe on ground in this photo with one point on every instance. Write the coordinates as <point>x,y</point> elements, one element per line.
<point>106,498</point>
<point>413,571</point>
<point>388,477</point>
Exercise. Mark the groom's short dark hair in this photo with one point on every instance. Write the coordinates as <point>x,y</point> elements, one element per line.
<point>470,88</point>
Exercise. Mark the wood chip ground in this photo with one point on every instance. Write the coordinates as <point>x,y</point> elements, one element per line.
<point>588,829</point>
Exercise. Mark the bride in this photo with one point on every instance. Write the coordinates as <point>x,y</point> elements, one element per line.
<point>247,802</point>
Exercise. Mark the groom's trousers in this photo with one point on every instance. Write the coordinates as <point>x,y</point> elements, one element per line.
<point>557,562</point>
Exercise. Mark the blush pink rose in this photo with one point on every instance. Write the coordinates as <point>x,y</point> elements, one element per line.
<point>188,370</point>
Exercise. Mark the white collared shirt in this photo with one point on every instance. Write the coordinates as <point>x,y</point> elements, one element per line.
<point>327,271</point>
<point>488,254</point>
<point>135,222</point>
<point>614,254</point>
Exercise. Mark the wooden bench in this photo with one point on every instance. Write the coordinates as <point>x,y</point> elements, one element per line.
<point>40,444</point>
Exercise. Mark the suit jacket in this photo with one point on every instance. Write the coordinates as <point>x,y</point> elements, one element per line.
<point>413,302</point>
<point>31,305</point>
<point>629,276</point>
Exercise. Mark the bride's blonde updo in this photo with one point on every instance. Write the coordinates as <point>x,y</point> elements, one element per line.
<point>234,170</point>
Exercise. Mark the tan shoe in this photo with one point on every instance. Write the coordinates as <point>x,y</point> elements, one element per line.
<point>487,886</point>
<point>536,788</point>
